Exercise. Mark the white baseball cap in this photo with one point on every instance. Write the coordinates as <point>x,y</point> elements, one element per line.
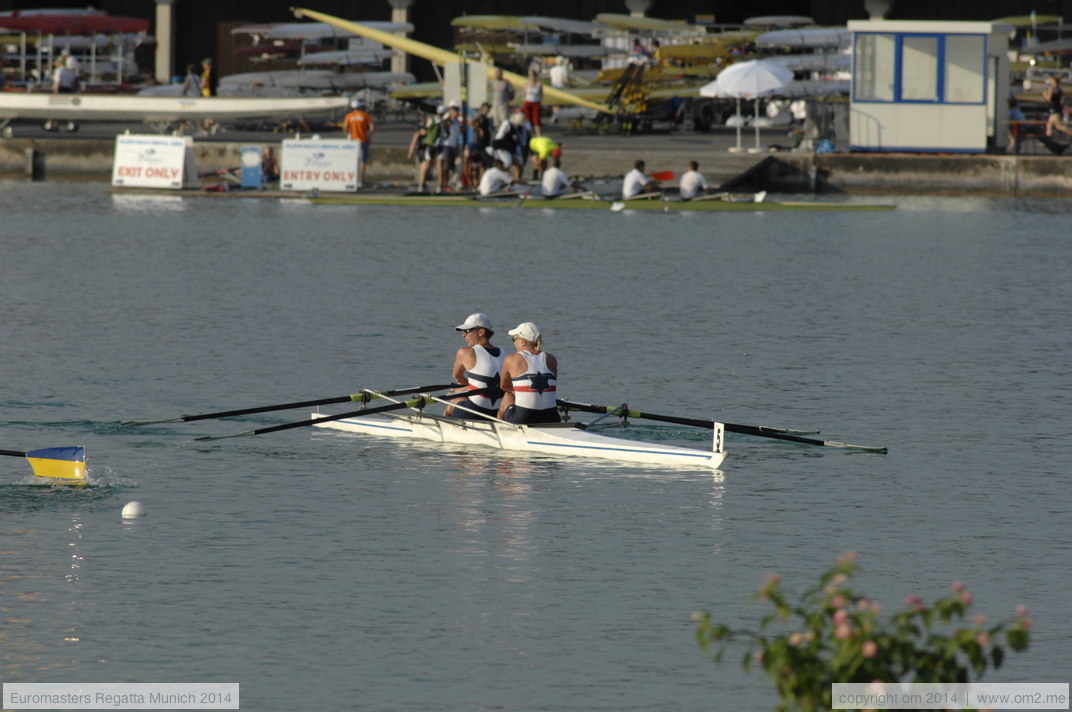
<point>474,321</point>
<point>527,331</point>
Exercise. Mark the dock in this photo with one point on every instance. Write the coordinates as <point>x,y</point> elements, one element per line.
<point>88,155</point>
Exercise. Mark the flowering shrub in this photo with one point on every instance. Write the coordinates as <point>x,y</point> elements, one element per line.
<point>832,634</point>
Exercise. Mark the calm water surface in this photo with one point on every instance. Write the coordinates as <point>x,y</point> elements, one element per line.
<point>328,571</point>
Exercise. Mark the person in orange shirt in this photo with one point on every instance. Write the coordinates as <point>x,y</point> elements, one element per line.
<point>359,127</point>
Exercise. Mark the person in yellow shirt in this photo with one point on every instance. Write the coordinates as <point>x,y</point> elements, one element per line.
<point>542,148</point>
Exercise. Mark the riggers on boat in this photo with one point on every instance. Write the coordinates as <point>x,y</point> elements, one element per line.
<point>555,438</point>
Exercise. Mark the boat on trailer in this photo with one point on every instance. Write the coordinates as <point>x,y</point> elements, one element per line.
<point>569,439</point>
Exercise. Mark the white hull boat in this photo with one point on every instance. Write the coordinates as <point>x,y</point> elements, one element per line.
<point>129,107</point>
<point>570,439</point>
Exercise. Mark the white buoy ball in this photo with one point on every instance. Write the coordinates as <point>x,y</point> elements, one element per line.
<point>133,510</point>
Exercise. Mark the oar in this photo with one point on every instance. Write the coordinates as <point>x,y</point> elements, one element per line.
<point>353,398</point>
<point>759,431</point>
<point>418,402</point>
<point>60,463</point>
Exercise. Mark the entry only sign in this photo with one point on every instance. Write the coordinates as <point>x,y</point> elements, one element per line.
<point>319,164</point>
<point>146,161</point>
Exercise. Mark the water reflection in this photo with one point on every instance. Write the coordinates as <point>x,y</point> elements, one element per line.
<point>41,573</point>
<point>148,204</point>
<point>493,506</point>
<point>72,631</point>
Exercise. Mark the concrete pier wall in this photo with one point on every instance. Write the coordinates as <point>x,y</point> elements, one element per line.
<point>996,175</point>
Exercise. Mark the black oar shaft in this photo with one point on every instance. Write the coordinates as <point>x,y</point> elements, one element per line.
<point>288,406</point>
<point>268,408</point>
<point>13,453</point>
<point>419,402</point>
<point>730,427</point>
<point>414,403</point>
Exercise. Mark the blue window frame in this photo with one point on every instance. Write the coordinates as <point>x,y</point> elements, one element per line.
<point>919,68</point>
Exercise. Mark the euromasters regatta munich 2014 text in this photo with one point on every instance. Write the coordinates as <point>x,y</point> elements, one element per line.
<point>101,698</point>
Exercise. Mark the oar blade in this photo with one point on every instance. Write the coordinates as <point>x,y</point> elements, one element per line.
<point>862,448</point>
<point>59,463</point>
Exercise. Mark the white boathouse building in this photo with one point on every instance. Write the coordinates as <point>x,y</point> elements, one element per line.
<point>928,86</point>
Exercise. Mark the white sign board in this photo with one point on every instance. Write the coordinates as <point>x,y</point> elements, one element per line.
<point>319,164</point>
<point>145,161</point>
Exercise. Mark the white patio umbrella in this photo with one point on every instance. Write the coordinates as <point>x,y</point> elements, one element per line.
<point>749,80</point>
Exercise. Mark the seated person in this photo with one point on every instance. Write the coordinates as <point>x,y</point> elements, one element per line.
<point>636,183</point>
<point>495,179</point>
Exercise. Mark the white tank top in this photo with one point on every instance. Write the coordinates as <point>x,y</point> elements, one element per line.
<point>536,389</point>
<point>487,371</point>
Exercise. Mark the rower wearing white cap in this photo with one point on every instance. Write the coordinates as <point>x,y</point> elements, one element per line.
<point>478,364</point>
<point>529,379</point>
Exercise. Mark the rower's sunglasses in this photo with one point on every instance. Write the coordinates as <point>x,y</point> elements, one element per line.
<point>466,331</point>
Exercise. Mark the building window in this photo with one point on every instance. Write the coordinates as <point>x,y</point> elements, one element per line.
<point>873,67</point>
<point>965,59</point>
<point>918,68</point>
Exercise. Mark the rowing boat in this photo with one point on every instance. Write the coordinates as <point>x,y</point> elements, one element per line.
<point>524,201</point>
<point>569,439</point>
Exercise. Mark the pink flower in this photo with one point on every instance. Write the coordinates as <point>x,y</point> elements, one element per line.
<point>1028,623</point>
<point>773,578</point>
<point>1021,610</point>
<point>980,620</point>
<point>758,657</point>
<point>841,616</point>
<point>958,586</point>
<point>966,597</point>
<point>869,649</point>
<point>843,631</point>
<point>914,601</point>
<point>838,601</point>
<point>848,557</point>
<point>983,640</point>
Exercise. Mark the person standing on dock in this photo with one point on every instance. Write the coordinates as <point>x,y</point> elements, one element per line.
<point>191,83</point>
<point>210,81</point>
<point>453,136</point>
<point>502,93</point>
<point>478,364</point>
<point>559,74</point>
<point>358,126</point>
<point>533,99</point>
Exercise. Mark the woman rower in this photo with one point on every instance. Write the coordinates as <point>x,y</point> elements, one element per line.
<point>529,379</point>
<point>478,364</point>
